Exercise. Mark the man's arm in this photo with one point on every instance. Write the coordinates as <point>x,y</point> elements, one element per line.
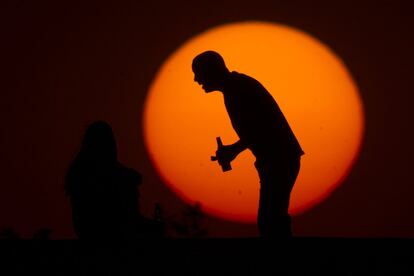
<point>239,146</point>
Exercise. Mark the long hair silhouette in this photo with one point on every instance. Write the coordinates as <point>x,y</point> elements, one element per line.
<point>97,152</point>
<point>103,192</point>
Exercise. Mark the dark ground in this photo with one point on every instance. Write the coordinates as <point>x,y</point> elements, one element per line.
<point>333,256</point>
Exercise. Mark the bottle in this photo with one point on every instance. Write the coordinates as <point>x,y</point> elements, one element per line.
<point>225,165</point>
<point>157,212</point>
<point>159,226</point>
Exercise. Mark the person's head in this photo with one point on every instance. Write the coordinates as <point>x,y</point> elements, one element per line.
<point>98,151</point>
<point>99,143</point>
<point>209,70</point>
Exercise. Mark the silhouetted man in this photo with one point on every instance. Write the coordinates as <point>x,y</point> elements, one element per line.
<point>262,128</point>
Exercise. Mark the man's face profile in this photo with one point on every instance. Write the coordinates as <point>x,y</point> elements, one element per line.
<point>203,79</point>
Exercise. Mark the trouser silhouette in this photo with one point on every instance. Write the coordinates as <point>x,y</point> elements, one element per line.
<point>277,178</point>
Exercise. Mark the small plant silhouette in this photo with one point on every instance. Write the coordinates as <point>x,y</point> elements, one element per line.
<point>8,233</point>
<point>191,223</point>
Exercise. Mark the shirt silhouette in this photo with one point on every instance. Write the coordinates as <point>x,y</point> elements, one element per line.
<point>262,128</point>
<point>103,192</point>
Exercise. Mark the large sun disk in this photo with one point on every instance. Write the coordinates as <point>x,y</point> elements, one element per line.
<point>311,85</point>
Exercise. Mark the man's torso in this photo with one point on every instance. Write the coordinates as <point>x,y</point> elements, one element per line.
<point>258,120</point>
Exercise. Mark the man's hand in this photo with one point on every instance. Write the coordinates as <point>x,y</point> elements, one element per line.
<point>226,154</point>
<point>229,153</point>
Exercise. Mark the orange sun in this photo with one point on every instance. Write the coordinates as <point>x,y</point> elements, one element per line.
<point>312,87</point>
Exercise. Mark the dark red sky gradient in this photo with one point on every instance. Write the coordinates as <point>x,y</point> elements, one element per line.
<point>65,64</point>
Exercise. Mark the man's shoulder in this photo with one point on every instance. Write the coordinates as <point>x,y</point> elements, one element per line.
<point>240,76</point>
<point>245,80</point>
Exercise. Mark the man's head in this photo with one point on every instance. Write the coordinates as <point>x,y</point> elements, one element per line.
<point>209,70</point>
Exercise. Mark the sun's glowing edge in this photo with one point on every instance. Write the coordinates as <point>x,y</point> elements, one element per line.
<point>218,213</point>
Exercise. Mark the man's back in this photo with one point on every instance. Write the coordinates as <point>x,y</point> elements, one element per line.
<point>258,120</point>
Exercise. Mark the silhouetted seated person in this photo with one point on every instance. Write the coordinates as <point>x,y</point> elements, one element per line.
<point>103,192</point>
<point>263,129</point>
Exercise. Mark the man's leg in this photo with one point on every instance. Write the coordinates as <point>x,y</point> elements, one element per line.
<point>276,183</point>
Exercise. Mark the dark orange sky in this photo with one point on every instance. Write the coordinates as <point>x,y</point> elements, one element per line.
<point>65,64</point>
